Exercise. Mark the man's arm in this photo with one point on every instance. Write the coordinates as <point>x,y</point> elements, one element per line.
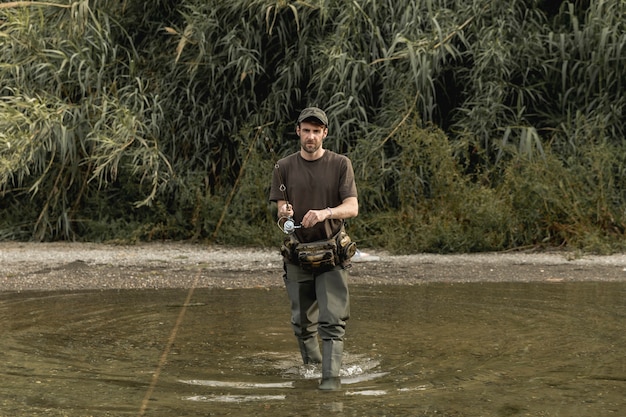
<point>347,209</point>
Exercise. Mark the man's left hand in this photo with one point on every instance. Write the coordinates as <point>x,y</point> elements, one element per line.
<point>314,217</point>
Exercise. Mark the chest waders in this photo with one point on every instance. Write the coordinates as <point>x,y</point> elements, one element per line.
<point>319,304</point>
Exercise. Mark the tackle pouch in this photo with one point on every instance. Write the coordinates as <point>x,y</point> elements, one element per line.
<point>288,248</point>
<point>345,246</point>
<point>321,254</point>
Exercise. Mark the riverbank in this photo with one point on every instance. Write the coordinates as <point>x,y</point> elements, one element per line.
<point>89,266</point>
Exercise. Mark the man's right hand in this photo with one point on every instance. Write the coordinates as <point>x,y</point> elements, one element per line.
<point>285,209</point>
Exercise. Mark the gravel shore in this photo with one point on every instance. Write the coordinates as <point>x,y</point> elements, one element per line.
<point>88,266</point>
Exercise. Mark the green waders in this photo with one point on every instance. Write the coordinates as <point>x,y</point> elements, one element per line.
<point>332,353</point>
<point>310,350</point>
<point>320,303</point>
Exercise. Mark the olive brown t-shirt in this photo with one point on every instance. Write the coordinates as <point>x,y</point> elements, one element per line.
<point>314,185</point>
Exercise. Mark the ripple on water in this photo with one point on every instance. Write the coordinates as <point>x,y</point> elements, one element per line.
<point>435,349</point>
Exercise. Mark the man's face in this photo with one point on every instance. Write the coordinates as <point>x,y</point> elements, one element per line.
<point>311,136</point>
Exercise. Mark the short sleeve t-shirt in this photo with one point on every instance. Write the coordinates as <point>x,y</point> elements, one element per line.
<point>314,185</point>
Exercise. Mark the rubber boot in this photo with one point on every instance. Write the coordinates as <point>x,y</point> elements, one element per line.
<point>332,354</point>
<point>310,350</point>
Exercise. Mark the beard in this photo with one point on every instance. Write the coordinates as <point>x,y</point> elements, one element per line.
<point>311,148</point>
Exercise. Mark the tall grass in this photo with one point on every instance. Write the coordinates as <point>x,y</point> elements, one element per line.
<point>472,125</point>
<point>75,117</point>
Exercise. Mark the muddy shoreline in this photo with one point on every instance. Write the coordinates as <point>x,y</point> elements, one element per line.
<point>91,266</point>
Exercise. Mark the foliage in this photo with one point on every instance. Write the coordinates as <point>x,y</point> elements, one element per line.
<point>75,117</point>
<point>472,125</point>
<point>438,208</point>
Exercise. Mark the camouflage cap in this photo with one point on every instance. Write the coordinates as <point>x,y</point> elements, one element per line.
<point>313,113</point>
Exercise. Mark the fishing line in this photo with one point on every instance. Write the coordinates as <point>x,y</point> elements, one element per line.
<point>168,347</point>
<point>181,315</point>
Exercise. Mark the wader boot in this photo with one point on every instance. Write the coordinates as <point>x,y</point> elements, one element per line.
<point>310,350</point>
<point>332,353</point>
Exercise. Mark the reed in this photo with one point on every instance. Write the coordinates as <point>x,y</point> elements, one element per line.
<point>139,120</point>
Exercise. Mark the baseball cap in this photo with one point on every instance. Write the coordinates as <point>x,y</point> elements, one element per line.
<point>313,113</point>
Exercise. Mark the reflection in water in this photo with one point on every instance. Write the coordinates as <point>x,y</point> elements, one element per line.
<point>554,349</point>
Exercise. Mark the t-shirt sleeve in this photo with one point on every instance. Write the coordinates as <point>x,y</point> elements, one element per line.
<point>347,187</point>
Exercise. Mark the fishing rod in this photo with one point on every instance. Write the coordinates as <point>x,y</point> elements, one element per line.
<point>288,225</point>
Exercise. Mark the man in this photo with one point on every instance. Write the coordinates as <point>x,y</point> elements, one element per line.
<point>316,188</point>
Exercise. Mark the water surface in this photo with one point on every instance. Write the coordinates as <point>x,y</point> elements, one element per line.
<point>497,349</point>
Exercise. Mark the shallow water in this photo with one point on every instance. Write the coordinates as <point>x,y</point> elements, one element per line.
<point>497,349</point>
